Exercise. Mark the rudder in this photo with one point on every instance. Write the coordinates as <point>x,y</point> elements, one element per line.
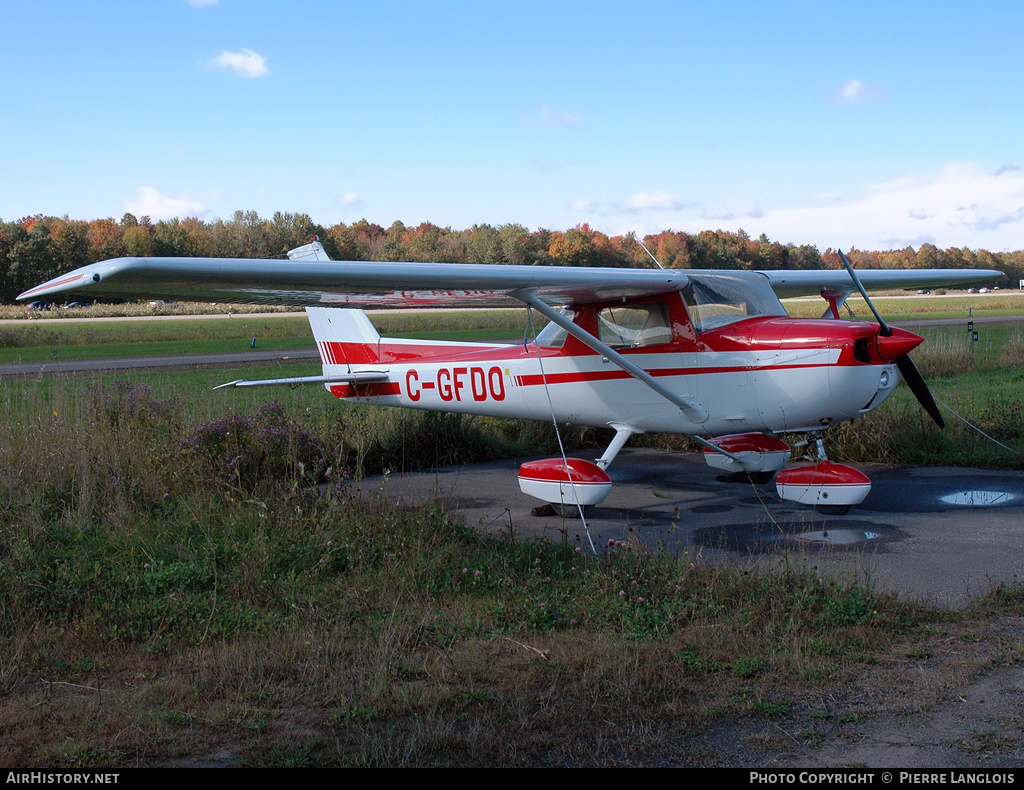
<point>344,336</point>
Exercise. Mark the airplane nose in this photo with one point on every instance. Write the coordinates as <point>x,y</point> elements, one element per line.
<point>896,345</point>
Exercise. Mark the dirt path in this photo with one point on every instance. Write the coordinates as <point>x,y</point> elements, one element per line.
<point>957,704</point>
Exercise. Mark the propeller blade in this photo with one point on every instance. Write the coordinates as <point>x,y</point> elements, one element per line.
<point>915,381</point>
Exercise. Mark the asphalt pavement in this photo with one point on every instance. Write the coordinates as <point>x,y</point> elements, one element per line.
<point>941,535</point>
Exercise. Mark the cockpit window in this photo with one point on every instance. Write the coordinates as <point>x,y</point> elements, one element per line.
<point>717,300</point>
<point>553,336</point>
<point>634,326</point>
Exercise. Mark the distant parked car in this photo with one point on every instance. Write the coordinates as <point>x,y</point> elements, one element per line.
<point>39,305</point>
<point>924,291</point>
<point>983,291</point>
<point>76,305</point>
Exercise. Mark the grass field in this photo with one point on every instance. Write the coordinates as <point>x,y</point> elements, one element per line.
<point>904,307</point>
<point>185,573</point>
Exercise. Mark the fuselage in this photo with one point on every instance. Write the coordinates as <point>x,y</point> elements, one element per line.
<point>734,352</point>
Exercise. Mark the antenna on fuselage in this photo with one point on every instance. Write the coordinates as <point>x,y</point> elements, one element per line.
<point>650,253</point>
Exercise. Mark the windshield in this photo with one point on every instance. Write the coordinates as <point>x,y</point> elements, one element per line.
<point>717,300</point>
<point>553,335</point>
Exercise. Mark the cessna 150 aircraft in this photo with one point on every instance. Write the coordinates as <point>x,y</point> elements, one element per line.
<point>710,354</point>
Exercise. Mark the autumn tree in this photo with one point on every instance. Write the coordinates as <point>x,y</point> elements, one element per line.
<point>106,240</point>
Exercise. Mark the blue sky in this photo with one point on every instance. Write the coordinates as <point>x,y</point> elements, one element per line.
<point>870,124</point>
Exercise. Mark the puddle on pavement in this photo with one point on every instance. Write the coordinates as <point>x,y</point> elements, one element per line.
<point>979,498</point>
<point>760,538</point>
<point>837,537</point>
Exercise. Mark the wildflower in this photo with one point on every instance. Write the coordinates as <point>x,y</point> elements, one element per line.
<point>574,621</point>
<point>640,600</point>
<point>478,573</point>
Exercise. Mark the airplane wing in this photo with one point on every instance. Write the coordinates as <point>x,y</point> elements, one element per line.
<point>790,282</point>
<point>307,283</point>
<point>304,283</point>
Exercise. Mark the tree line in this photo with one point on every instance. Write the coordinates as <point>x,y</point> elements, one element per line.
<point>38,248</point>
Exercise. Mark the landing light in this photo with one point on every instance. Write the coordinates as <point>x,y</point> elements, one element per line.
<point>883,380</point>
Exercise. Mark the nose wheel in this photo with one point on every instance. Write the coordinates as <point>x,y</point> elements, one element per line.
<point>830,488</point>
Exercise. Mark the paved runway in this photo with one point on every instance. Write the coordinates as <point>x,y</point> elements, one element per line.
<point>942,535</point>
<point>172,361</point>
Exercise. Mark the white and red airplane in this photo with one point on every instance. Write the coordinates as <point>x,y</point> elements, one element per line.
<point>709,354</point>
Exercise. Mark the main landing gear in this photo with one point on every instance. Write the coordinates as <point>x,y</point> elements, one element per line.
<point>571,484</point>
<point>829,487</point>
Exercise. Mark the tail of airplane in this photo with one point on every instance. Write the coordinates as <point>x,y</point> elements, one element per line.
<point>346,339</point>
<point>344,336</point>
<point>313,251</point>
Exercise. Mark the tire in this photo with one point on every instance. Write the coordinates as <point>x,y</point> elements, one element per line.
<point>571,511</point>
<point>833,510</point>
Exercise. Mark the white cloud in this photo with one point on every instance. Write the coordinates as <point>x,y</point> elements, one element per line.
<point>856,92</point>
<point>567,118</point>
<point>657,203</point>
<point>351,199</point>
<point>653,201</point>
<point>244,63</point>
<point>959,206</point>
<point>150,203</point>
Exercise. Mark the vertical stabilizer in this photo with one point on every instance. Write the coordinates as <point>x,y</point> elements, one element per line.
<point>314,251</point>
<point>344,336</point>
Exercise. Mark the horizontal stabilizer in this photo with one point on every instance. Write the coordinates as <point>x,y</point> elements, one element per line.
<point>348,378</point>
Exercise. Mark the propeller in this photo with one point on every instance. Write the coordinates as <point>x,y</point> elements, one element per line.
<point>906,365</point>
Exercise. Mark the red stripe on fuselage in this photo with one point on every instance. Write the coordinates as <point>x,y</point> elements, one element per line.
<point>380,390</point>
<point>534,379</point>
<point>391,352</point>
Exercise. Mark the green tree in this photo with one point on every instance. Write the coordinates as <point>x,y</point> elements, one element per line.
<point>31,257</point>
<point>515,244</point>
<point>391,247</point>
<point>483,244</point>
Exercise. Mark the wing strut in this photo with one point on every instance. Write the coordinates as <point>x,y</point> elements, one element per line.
<point>694,411</point>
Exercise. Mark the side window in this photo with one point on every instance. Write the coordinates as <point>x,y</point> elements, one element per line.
<point>634,326</point>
